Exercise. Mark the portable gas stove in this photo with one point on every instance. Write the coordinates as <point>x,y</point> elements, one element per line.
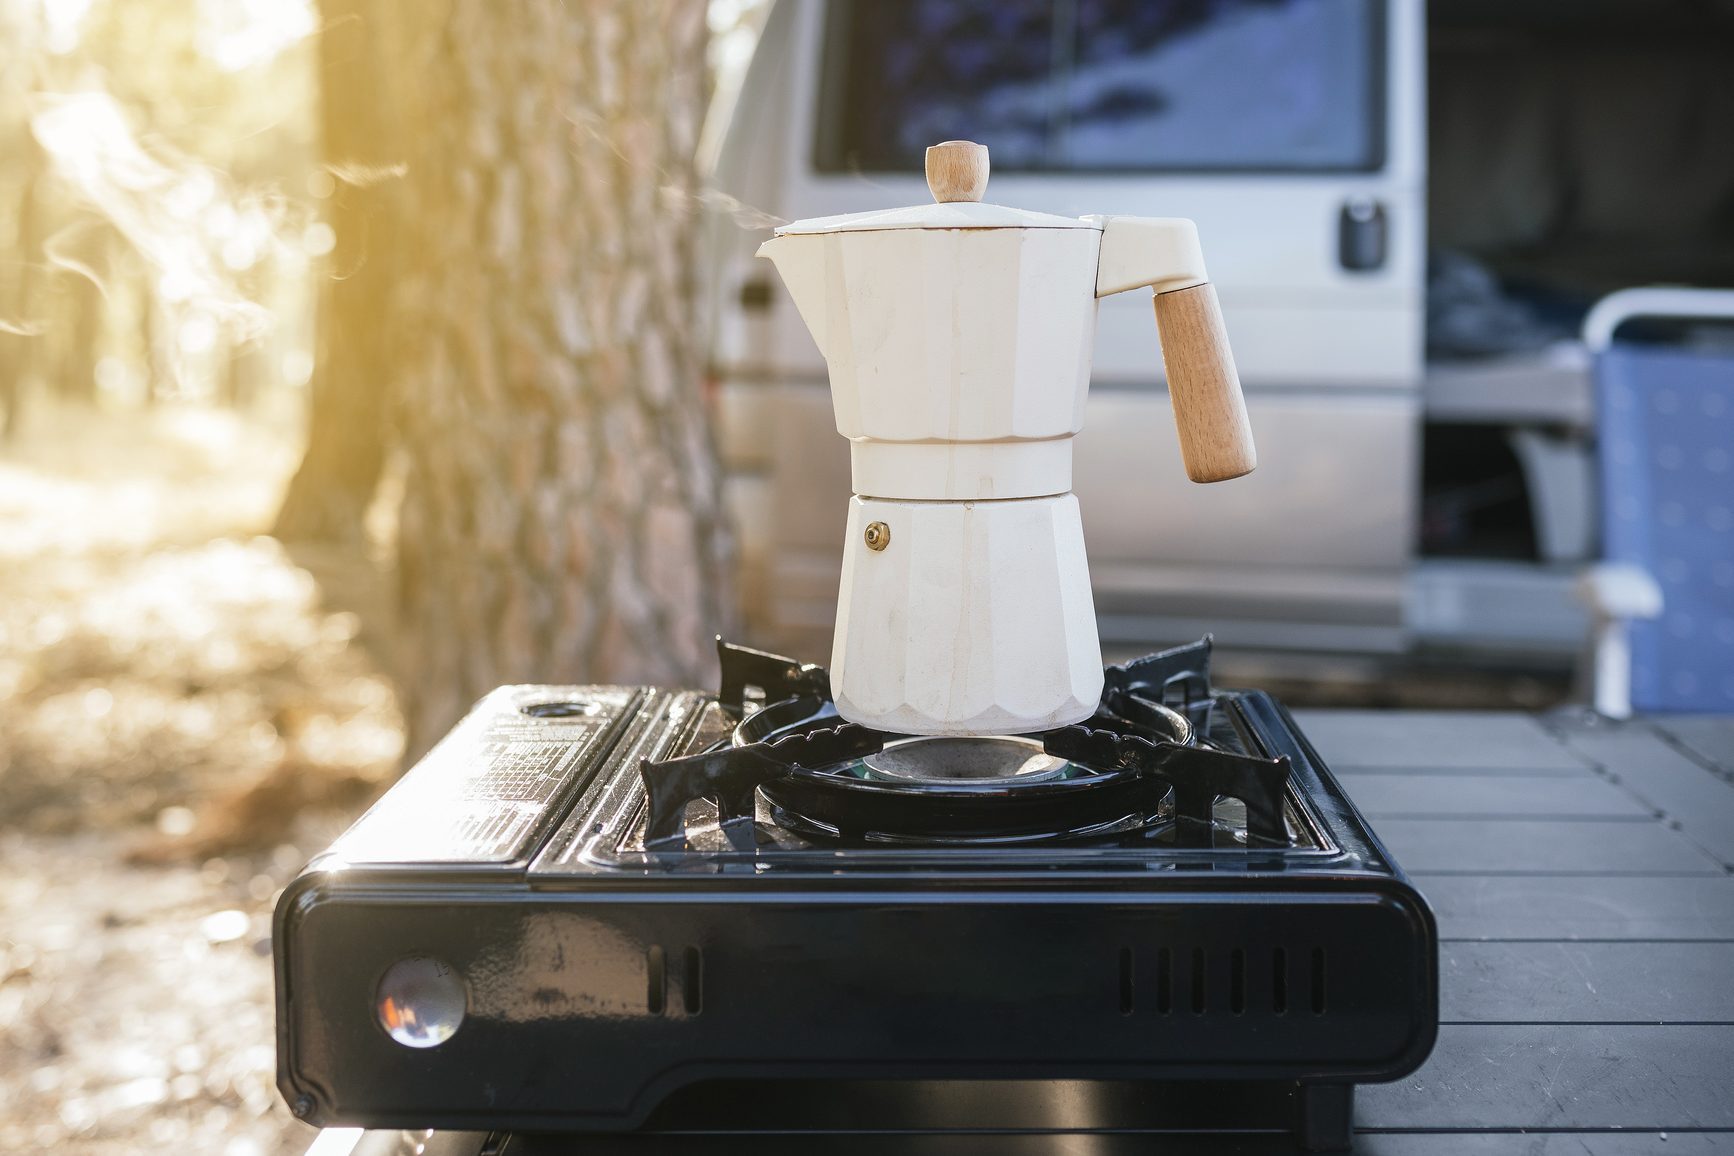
<point>633,909</point>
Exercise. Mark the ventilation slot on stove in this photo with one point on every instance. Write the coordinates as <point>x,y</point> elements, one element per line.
<point>656,974</point>
<point>1234,989</point>
<point>692,985</point>
<point>1318,981</point>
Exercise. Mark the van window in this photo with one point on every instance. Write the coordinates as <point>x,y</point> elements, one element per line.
<point>1106,85</point>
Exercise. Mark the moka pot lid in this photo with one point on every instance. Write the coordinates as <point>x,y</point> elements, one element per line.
<point>957,177</point>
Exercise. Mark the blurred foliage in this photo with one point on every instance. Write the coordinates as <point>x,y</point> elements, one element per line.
<point>159,196</point>
<point>160,238</point>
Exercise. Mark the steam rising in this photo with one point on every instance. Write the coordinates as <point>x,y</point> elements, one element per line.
<point>716,201</point>
<point>195,231</point>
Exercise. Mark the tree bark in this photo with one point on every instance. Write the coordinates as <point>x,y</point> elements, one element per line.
<point>562,517</point>
<point>346,437</point>
<point>81,308</point>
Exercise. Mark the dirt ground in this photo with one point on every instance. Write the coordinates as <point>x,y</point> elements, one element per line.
<point>185,717</point>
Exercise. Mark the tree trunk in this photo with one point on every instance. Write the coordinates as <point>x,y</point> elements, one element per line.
<point>154,335</point>
<point>82,308</point>
<point>18,339</point>
<point>331,490</point>
<point>20,30</point>
<point>562,517</point>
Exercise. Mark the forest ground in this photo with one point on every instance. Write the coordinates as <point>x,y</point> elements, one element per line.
<point>186,714</point>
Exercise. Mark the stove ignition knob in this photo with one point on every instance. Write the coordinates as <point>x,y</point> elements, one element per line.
<point>878,535</point>
<point>421,1001</point>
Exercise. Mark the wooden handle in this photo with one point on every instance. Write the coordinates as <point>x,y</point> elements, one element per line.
<point>1215,437</point>
<point>957,171</point>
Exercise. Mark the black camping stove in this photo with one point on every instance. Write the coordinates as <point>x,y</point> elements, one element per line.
<point>639,910</point>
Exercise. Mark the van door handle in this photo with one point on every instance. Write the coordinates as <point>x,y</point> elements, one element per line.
<point>1361,231</point>
<point>756,293</point>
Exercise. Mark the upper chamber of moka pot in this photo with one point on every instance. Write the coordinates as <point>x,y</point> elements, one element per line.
<point>959,336</point>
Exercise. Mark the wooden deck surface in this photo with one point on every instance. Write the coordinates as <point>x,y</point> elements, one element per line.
<point>1583,876</point>
<point>1580,871</point>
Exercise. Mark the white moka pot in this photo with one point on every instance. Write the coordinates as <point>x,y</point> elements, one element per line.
<point>959,337</point>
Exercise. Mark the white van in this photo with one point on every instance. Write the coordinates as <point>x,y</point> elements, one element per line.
<point>1304,173</point>
<point>1304,165</point>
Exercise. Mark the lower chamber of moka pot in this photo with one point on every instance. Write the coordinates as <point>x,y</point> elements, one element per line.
<point>965,618</point>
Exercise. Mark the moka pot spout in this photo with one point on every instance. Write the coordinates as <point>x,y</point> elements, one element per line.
<point>800,262</point>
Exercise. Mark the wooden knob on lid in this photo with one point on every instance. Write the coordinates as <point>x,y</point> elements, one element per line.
<point>957,171</point>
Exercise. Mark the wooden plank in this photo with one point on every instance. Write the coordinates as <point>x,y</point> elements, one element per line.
<point>1502,796</point>
<point>1699,800</point>
<point>1563,1076</point>
<point>1546,773</point>
<point>1709,737</point>
<point>1586,846</point>
<point>1542,1144</point>
<point>1586,982</point>
<point>1483,740</point>
<point>341,1142</point>
<point>1630,907</point>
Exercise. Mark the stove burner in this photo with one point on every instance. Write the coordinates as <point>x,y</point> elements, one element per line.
<point>996,759</point>
<point>1136,765</point>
